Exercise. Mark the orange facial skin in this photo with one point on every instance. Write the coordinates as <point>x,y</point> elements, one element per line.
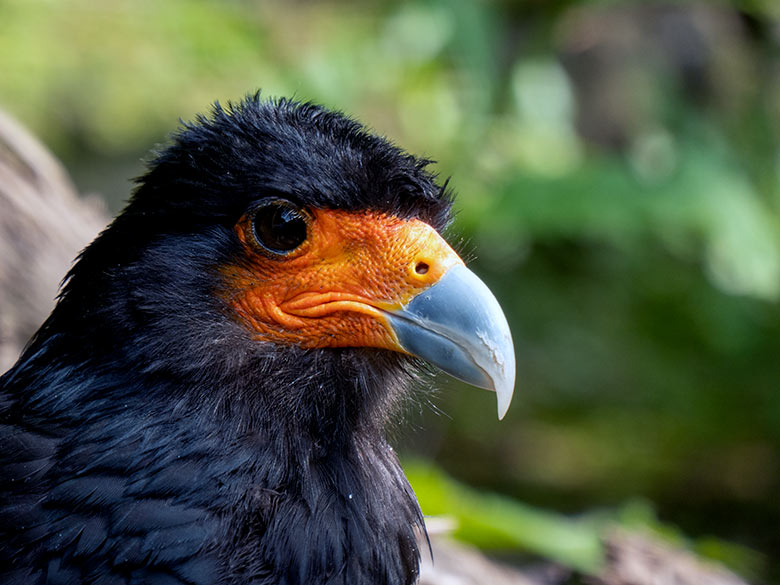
<point>331,291</point>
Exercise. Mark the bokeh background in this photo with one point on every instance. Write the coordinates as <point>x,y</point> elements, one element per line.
<point>617,166</point>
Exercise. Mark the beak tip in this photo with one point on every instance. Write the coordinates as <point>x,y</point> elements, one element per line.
<point>505,389</point>
<point>503,405</point>
<point>501,370</point>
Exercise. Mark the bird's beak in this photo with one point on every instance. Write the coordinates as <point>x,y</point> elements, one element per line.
<point>458,326</point>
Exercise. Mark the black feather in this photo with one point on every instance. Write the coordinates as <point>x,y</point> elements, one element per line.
<point>146,438</point>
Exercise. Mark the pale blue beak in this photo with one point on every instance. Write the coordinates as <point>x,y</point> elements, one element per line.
<point>458,326</point>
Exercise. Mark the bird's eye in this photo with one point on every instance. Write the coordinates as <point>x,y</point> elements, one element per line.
<point>280,226</point>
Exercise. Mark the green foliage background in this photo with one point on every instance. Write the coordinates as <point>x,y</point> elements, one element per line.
<point>618,171</point>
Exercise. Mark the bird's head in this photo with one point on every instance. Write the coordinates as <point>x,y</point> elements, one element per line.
<point>274,228</point>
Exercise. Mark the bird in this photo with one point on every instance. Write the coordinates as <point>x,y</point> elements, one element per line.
<point>208,401</point>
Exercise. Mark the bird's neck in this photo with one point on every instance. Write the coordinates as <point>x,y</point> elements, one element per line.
<point>339,516</point>
<point>325,499</point>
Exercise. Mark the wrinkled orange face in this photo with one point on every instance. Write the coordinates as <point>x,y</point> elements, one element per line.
<point>333,287</point>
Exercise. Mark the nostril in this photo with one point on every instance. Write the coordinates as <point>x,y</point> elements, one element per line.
<point>421,268</point>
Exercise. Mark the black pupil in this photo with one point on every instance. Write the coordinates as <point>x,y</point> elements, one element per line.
<point>280,227</point>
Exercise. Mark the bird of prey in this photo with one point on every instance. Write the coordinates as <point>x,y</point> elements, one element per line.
<point>207,402</point>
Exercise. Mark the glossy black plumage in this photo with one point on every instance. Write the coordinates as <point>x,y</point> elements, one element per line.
<point>146,438</point>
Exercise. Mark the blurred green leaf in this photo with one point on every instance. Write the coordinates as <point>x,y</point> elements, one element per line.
<point>494,522</point>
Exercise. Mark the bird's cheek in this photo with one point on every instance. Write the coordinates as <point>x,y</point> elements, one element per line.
<point>357,269</point>
<point>351,297</point>
<point>352,329</point>
<point>349,324</point>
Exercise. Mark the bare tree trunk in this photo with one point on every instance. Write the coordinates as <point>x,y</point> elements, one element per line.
<point>43,225</point>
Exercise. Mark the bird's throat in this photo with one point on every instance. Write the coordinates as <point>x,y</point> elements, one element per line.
<point>335,517</point>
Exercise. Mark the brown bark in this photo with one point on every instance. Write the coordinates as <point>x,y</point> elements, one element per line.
<point>43,225</point>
